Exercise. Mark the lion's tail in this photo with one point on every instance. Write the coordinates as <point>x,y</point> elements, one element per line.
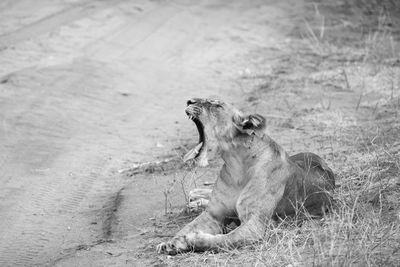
<point>308,161</point>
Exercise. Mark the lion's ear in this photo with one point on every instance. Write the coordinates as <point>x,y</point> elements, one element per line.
<point>249,124</point>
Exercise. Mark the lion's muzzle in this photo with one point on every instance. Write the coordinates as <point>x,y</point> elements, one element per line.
<point>193,111</point>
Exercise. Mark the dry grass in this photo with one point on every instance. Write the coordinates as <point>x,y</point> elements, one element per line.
<point>371,26</point>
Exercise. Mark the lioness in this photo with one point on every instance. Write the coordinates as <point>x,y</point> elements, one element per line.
<point>258,180</point>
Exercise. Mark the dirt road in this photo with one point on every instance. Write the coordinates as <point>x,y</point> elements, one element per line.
<point>89,87</point>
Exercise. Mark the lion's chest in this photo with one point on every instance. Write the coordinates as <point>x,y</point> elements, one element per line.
<point>234,175</point>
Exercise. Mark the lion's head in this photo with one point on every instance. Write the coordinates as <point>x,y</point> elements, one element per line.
<point>220,121</point>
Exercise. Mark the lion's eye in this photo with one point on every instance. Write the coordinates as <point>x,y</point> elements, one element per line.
<point>217,105</point>
<point>215,102</point>
<point>216,108</point>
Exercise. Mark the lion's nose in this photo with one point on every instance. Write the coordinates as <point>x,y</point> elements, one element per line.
<point>192,110</point>
<point>191,102</point>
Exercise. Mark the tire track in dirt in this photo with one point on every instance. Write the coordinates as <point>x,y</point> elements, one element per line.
<point>23,250</point>
<point>125,39</point>
<point>25,242</point>
<point>31,243</point>
<point>50,22</point>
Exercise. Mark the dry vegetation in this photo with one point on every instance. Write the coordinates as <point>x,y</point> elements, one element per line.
<point>349,54</point>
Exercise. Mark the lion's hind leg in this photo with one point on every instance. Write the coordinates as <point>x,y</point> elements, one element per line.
<point>199,199</point>
<point>316,183</point>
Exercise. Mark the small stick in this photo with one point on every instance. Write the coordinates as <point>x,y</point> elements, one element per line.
<point>376,106</point>
<point>321,34</point>
<point>346,79</point>
<point>361,95</point>
<point>166,202</point>
<point>359,101</point>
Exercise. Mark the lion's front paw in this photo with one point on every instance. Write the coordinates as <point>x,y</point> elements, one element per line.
<point>174,246</point>
<point>165,248</point>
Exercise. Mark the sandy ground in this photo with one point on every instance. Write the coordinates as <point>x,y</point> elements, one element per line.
<point>87,89</point>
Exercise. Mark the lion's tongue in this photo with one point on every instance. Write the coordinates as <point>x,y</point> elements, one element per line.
<point>193,152</point>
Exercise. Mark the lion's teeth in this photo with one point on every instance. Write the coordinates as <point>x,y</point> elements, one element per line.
<point>193,152</point>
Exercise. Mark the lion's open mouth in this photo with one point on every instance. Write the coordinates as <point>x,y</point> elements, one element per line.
<point>196,151</point>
